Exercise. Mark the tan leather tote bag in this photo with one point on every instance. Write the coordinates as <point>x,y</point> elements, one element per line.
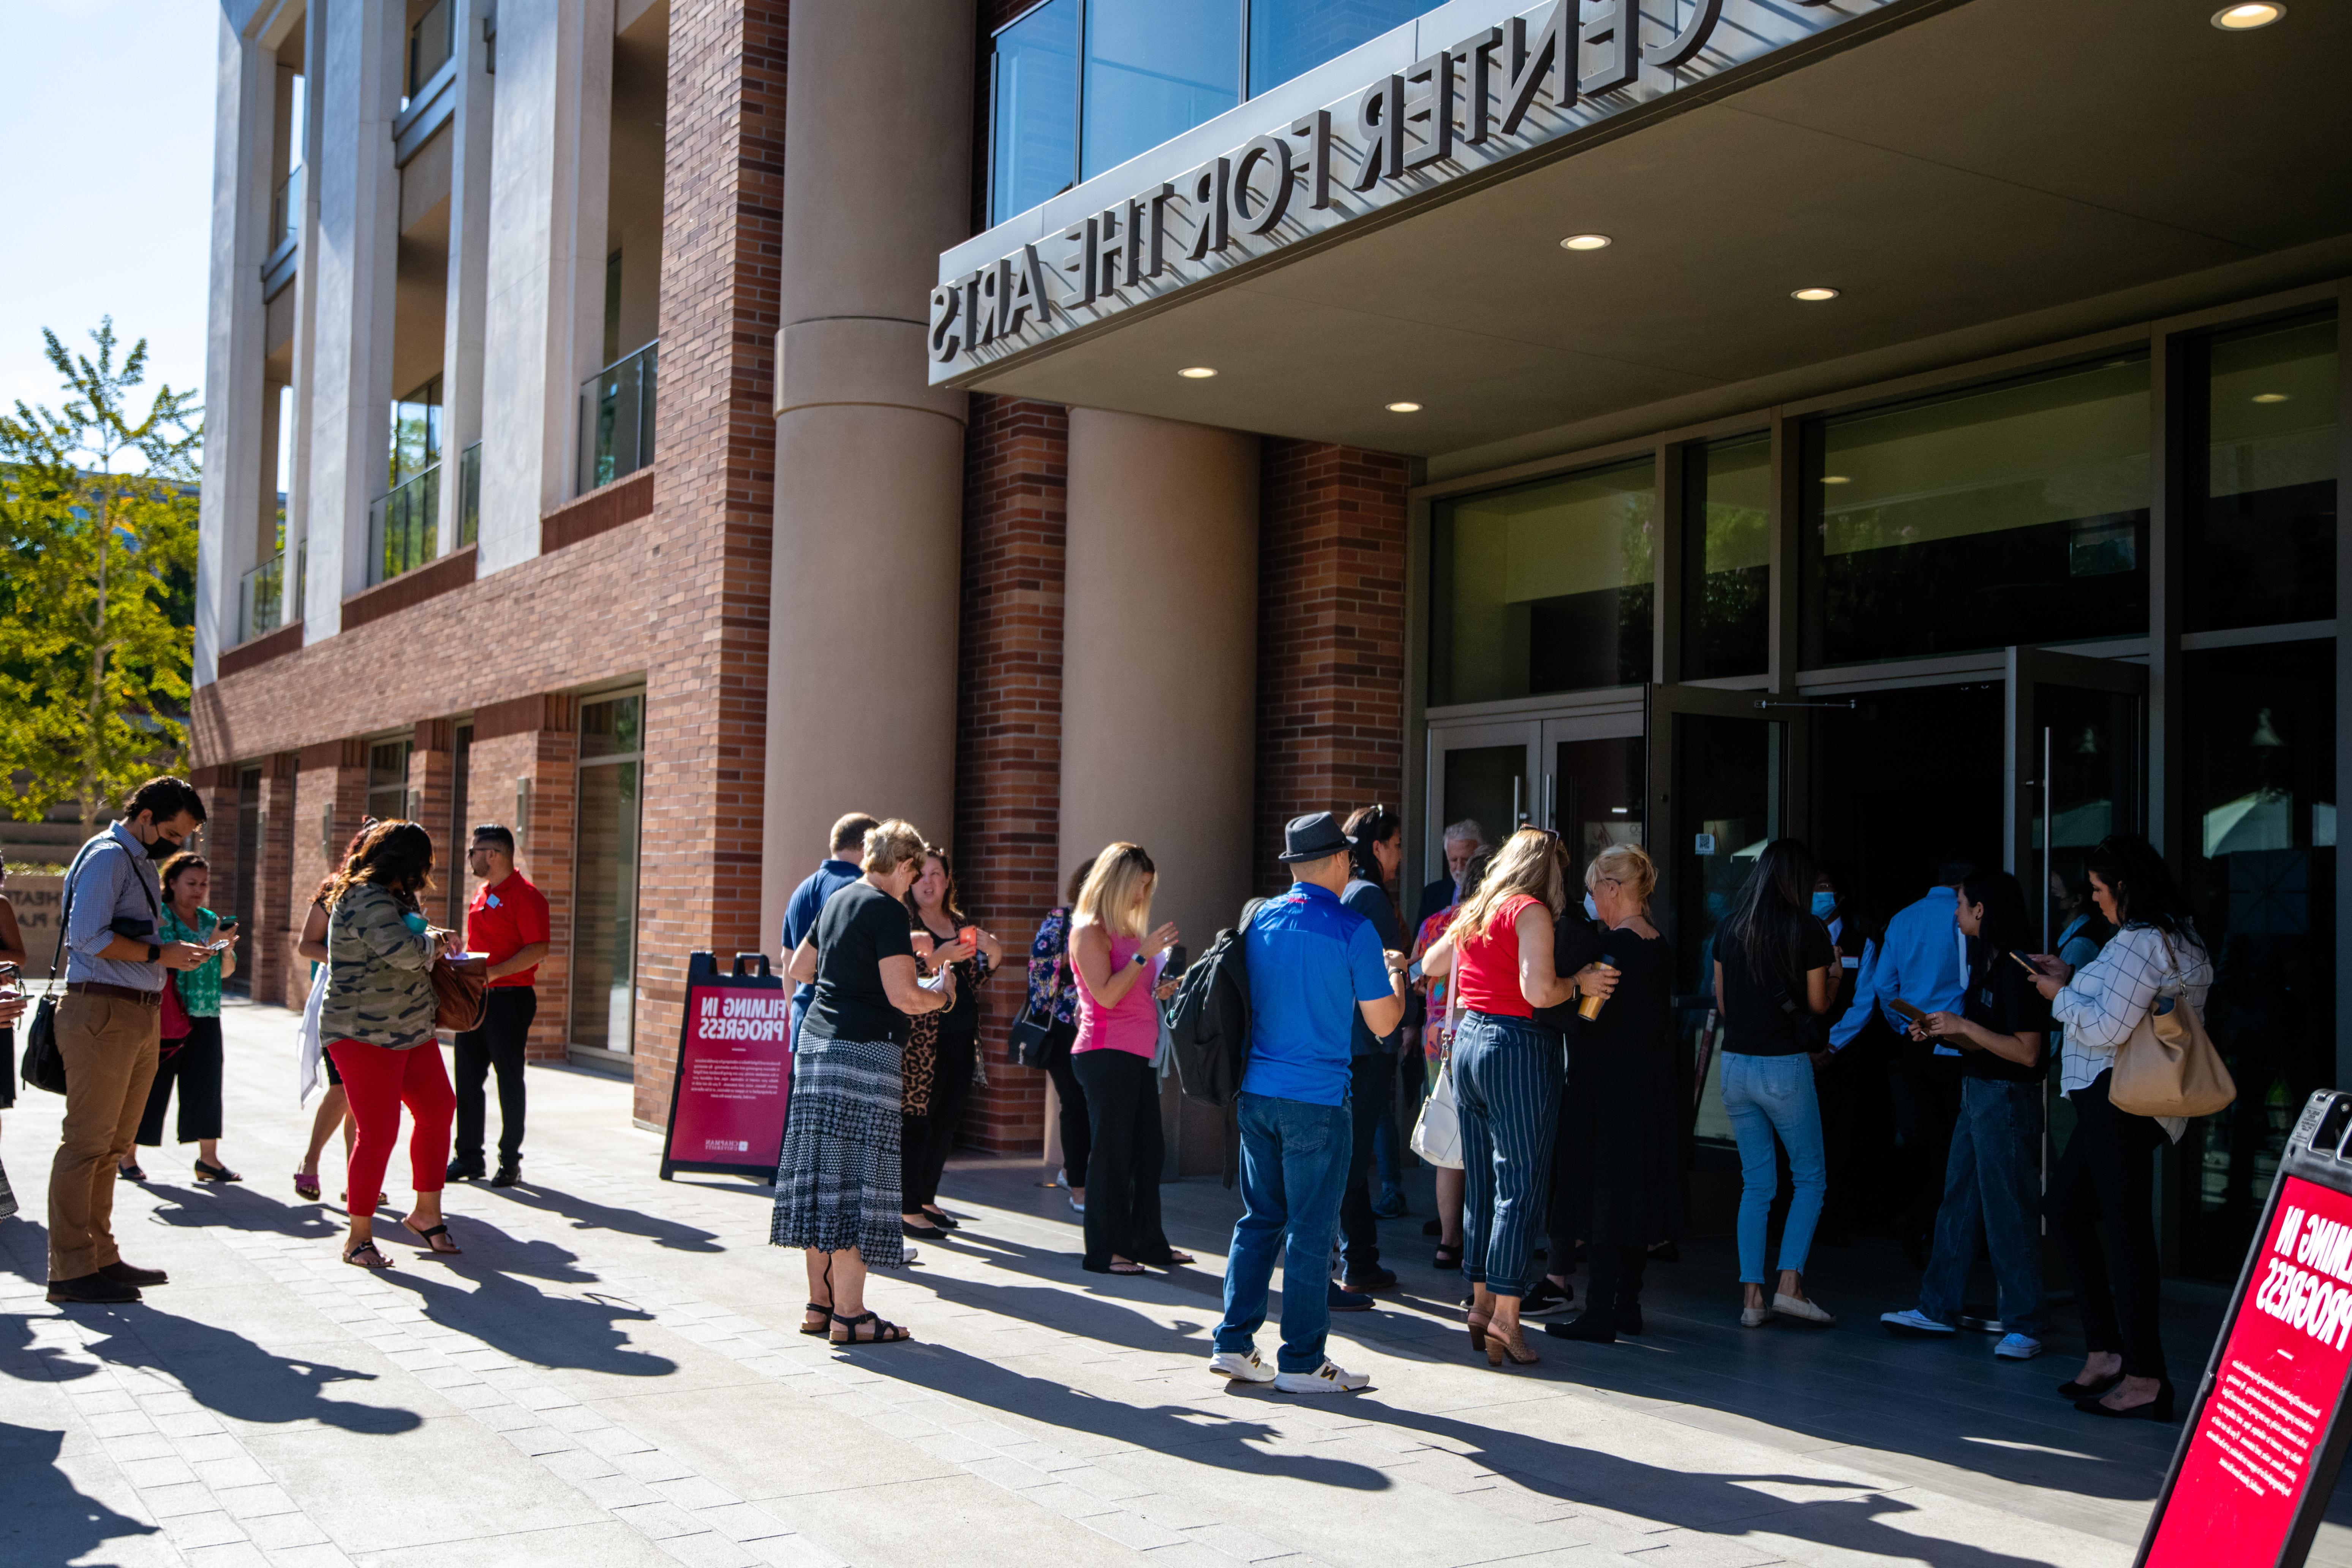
<point>2169,1066</point>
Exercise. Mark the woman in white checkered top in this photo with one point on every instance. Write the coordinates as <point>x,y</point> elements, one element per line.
<point>2098,1201</point>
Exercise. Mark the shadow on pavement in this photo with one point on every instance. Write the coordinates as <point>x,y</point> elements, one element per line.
<point>532,1326</point>
<point>229,1374</point>
<point>47,1518</point>
<point>587,1216</point>
<point>238,1207</point>
<point>20,1357</point>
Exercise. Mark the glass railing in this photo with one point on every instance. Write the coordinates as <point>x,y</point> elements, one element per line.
<point>404,525</point>
<point>263,604</point>
<point>286,210</point>
<point>469,495</point>
<point>616,419</point>
<point>431,42</point>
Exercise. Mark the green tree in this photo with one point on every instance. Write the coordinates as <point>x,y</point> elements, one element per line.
<point>97,629</point>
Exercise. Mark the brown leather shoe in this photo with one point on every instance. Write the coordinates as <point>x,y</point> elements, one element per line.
<point>92,1289</point>
<point>129,1273</point>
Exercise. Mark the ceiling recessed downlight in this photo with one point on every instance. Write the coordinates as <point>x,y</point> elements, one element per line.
<point>2245,18</point>
<point>1813,296</point>
<point>1837,479</point>
<point>2270,397</point>
<point>1404,407</point>
<point>1196,373</point>
<point>1585,242</point>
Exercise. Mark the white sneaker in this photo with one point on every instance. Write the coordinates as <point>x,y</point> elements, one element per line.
<point>1912,1320</point>
<point>1326,1379</point>
<point>2017,1347</point>
<point>1242,1366</point>
<point>1755,1317</point>
<point>910,1252</point>
<point>1797,1307</point>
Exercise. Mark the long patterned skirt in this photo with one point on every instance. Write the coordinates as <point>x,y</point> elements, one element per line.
<point>837,1182</point>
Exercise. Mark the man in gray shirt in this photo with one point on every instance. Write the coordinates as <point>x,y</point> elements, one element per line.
<point>108,1031</point>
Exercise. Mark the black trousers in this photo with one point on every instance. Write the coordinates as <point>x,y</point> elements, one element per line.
<point>1077,1132</point>
<point>2099,1216</point>
<point>194,1064</point>
<point>926,1141</point>
<point>1372,1093</point>
<point>1926,1094</point>
<point>1124,1164</point>
<point>1616,1283</point>
<point>498,1043</point>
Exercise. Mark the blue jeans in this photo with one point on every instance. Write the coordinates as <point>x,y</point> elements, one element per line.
<point>1507,1080</point>
<point>1764,1096</point>
<point>1294,1165</point>
<point>1992,1188</point>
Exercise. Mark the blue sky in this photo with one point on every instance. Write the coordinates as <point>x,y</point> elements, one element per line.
<point>109,213</point>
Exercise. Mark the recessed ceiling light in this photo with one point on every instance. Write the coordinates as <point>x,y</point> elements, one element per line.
<point>1404,407</point>
<point>1585,242</point>
<point>2270,397</point>
<point>1836,480</point>
<point>2247,17</point>
<point>1813,296</point>
<point>1196,373</point>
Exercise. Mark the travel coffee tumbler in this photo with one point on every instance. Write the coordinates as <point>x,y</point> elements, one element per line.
<point>1590,1007</point>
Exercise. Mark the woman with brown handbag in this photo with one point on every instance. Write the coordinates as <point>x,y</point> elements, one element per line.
<point>2098,1203</point>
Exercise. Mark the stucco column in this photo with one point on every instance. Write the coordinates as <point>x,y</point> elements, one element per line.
<point>1160,657</point>
<point>470,251</point>
<point>869,459</point>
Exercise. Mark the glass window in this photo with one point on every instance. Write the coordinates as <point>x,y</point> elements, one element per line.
<point>1728,540</point>
<point>387,794</point>
<point>2262,548</point>
<point>1484,784</point>
<point>1544,587</point>
<point>1034,119</point>
<point>416,432</point>
<point>1291,37</point>
<point>2260,871</point>
<point>2014,514</point>
<point>1600,797</point>
<point>1154,71</point>
<point>604,916</point>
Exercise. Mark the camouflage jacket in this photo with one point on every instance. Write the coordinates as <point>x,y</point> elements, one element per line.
<point>379,990</point>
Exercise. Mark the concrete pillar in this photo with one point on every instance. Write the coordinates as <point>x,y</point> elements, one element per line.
<point>353,266</point>
<point>268,952</point>
<point>233,356</point>
<point>543,267</point>
<point>308,139</point>
<point>869,459</point>
<point>1160,657</point>
<point>470,251</point>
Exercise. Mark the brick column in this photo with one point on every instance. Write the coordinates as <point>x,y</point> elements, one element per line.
<point>1009,725</point>
<point>525,752</point>
<point>1331,631</point>
<point>217,842</point>
<point>432,776</point>
<point>269,951</point>
<point>329,801</point>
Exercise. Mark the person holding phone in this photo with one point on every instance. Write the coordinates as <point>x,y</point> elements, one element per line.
<point>193,1061</point>
<point>943,1048</point>
<point>1118,956</point>
<point>1992,1178</point>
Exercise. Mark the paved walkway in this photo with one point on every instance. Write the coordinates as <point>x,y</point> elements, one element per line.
<point>610,1375</point>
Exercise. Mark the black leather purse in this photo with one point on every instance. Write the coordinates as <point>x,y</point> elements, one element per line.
<point>43,1067</point>
<point>1037,1035</point>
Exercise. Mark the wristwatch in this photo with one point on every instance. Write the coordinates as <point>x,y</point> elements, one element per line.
<point>154,953</point>
<point>1141,960</point>
<point>1412,973</point>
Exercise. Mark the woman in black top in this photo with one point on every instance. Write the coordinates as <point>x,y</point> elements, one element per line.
<point>942,1048</point>
<point>1624,1108</point>
<point>1992,1181</point>
<point>1774,968</point>
<point>837,1181</point>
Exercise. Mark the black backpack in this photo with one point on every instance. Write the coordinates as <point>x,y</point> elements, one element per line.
<point>1209,1021</point>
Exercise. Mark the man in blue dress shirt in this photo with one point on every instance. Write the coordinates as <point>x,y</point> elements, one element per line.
<point>836,871</point>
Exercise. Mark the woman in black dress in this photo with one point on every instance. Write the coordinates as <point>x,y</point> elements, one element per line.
<point>941,1047</point>
<point>1626,1104</point>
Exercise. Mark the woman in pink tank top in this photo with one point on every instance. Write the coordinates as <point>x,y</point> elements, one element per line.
<point>1117,960</point>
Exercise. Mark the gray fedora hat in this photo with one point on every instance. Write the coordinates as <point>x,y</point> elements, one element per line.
<point>1314,837</point>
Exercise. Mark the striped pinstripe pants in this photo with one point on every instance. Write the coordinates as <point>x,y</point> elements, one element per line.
<point>1506,1082</point>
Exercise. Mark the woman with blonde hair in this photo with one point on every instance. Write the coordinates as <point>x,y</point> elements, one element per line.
<point>1506,1075</point>
<point>837,1181</point>
<point>1117,955</point>
<point>1624,1110</point>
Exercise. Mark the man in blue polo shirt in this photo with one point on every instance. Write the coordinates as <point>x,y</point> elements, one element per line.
<point>836,871</point>
<point>1314,964</point>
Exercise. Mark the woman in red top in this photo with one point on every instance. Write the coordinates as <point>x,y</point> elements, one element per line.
<point>1507,1072</point>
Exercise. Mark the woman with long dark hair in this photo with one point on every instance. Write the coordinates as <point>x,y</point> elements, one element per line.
<point>334,1106</point>
<point>1774,973</point>
<point>1992,1178</point>
<point>194,1061</point>
<point>942,1048</point>
<point>377,1021</point>
<point>2099,1197</point>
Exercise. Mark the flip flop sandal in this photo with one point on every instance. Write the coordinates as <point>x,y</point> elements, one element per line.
<point>1127,1269</point>
<point>306,1185</point>
<point>129,1173</point>
<point>428,1238</point>
<point>821,1329</point>
<point>356,1256</point>
<point>885,1331</point>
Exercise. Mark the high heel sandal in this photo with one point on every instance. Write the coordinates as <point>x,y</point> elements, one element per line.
<point>1478,1334</point>
<point>1515,1347</point>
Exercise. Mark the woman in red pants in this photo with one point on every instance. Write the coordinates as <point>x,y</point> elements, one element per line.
<point>377,1022</point>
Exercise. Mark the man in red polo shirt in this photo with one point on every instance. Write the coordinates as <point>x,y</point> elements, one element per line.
<point>508,920</point>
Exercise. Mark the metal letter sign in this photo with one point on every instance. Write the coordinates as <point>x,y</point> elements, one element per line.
<point>1450,110</point>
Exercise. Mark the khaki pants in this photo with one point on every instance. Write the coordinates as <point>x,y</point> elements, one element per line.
<point>109,1046</point>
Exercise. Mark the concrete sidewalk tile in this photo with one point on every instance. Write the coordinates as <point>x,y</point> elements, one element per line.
<point>256,1501</point>
<point>657,1520</point>
<point>649,1465</point>
<point>209,1447</point>
<point>323,1554</point>
<point>239,1470</point>
<point>1240,1544</point>
<point>194,1424</point>
<point>1069,1500</point>
<point>1134,1530</point>
<point>125,1424</point>
<point>575,1418</point>
<point>144,1473</point>
<point>709,1549</point>
<point>1186,1553</point>
<point>697,1493</point>
<point>579,1466</point>
<point>277,1531</point>
<point>612,1441</point>
<point>155,1446</point>
<point>535,1440</point>
<point>742,1521</point>
<point>212,1528</point>
<point>168,1502</point>
<point>231,1554</point>
<point>1010,1474</point>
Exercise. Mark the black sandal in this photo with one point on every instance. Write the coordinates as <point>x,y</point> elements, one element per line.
<point>452,1250</point>
<point>885,1331</point>
<point>129,1173</point>
<point>352,1254</point>
<point>1446,1257</point>
<point>215,1173</point>
<point>823,1310</point>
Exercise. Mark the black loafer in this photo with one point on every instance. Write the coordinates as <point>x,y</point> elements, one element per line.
<point>2157,1409</point>
<point>131,1274</point>
<point>945,1222</point>
<point>921,1232</point>
<point>507,1176</point>
<point>2093,1389</point>
<point>94,1290</point>
<point>459,1171</point>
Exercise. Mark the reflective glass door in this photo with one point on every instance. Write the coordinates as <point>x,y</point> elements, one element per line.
<point>1485,774</point>
<point>2077,768</point>
<point>1595,783</point>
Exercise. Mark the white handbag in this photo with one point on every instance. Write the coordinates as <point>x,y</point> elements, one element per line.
<point>306,1047</point>
<point>1437,1132</point>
